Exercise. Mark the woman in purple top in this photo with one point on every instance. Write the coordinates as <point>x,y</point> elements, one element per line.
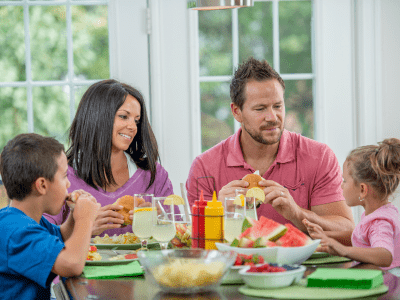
<point>113,153</point>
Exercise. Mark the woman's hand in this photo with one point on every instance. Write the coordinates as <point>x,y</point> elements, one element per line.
<point>107,218</point>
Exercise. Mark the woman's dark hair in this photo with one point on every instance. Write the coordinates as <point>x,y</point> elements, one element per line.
<point>90,135</point>
<point>377,165</point>
<point>252,69</point>
<point>24,159</point>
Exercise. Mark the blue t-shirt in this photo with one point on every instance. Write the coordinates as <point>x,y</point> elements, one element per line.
<point>28,251</point>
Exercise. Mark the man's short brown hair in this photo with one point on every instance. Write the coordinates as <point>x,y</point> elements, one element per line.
<point>252,69</point>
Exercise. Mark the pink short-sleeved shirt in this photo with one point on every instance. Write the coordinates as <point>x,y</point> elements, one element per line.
<point>380,228</point>
<point>307,168</point>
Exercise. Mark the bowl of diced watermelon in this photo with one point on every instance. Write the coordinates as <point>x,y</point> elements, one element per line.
<point>242,261</point>
<point>271,276</point>
<point>276,243</point>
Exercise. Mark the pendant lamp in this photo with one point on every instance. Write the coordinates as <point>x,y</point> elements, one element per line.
<point>218,4</point>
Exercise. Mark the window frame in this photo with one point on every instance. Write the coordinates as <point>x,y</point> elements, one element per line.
<point>235,60</point>
<point>70,82</point>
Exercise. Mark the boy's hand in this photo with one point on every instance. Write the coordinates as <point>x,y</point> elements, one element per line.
<point>86,206</point>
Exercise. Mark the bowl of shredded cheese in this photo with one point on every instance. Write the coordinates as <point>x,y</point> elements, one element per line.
<point>186,270</point>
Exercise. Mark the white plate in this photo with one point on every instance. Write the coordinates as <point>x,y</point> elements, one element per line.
<point>151,243</point>
<point>279,255</point>
<point>106,254</point>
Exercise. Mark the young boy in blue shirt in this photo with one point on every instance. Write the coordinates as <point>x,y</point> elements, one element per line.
<point>32,250</point>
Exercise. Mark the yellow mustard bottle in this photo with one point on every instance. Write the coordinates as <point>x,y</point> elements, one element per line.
<point>214,223</point>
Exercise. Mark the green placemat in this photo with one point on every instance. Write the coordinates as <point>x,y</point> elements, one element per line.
<point>326,260</point>
<point>300,291</point>
<point>113,271</point>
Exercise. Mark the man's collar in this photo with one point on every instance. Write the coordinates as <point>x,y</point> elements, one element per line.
<point>235,154</point>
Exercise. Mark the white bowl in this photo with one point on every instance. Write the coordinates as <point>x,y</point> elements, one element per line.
<point>165,268</point>
<point>233,276</point>
<point>278,255</point>
<point>272,280</point>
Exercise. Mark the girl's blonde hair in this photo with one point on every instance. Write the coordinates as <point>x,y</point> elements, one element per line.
<point>377,166</point>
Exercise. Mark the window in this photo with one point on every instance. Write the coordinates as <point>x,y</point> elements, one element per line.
<point>278,31</point>
<point>51,51</point>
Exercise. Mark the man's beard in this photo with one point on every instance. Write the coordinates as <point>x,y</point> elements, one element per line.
<point>257,136</point>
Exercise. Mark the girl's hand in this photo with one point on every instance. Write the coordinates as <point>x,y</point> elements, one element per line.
<point>107,218</point>
<point>332,247</point>
<point>313,229</point>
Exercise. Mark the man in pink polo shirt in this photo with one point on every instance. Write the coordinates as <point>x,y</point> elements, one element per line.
<point>303,176</point>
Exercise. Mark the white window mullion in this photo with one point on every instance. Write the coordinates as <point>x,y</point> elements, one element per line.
<point>28,68</point>
<point>235,50</point>
<point>70,55</point>
<point>275,35</point>
<point>235,38</point>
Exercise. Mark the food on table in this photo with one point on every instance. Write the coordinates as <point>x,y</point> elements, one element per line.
<point>72,197</point>
<point>257,193</point>
<point>293,237</point>
<point>183,272</point>
<point>251,259</point>
<point>253,180</point>
<point>239,200</point>
<point>128,203</point>
<point>174,199</point>
<point>122,239</point>
<point>183,235</point>
<point>259,234</point>
<point>131,255</point>
<point>268,233</point>
<point>93,254</point>
<point>265,268</point>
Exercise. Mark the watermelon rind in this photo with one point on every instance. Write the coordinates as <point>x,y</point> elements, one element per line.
<point>261,242</point>
<point>247,223</point>
<point>235,243</point>
<point>246,243</point>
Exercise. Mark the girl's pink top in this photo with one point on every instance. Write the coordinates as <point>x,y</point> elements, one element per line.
<point>380,228</point>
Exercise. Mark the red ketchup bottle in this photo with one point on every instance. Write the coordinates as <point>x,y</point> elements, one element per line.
<point>198,225</point>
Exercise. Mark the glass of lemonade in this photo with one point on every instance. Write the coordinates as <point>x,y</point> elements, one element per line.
<point>251,209</point>
<point>234,216</point>
<point>164,229</point>
<point>142,217</point>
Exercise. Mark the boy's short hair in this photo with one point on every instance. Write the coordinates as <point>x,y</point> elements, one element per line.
<point>24,159</point>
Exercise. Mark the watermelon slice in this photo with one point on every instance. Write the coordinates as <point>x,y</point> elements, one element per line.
<point>293,237</point>
<point>266,228</point>
<point>246,243</point>
<point>263,242</point>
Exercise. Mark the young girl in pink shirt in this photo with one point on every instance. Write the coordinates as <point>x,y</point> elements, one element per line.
<point>370,176</point>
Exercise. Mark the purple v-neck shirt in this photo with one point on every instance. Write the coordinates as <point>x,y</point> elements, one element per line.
<point>137,184</point>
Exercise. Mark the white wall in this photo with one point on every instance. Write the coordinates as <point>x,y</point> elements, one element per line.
<point>390,70</point>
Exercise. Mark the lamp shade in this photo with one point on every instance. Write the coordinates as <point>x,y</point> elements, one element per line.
<point>218,4</point>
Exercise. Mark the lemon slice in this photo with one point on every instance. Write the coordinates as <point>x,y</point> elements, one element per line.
<point>144,209</point>
<point>239,200</point>
<point>174,199</point>
<point>257,193</point>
